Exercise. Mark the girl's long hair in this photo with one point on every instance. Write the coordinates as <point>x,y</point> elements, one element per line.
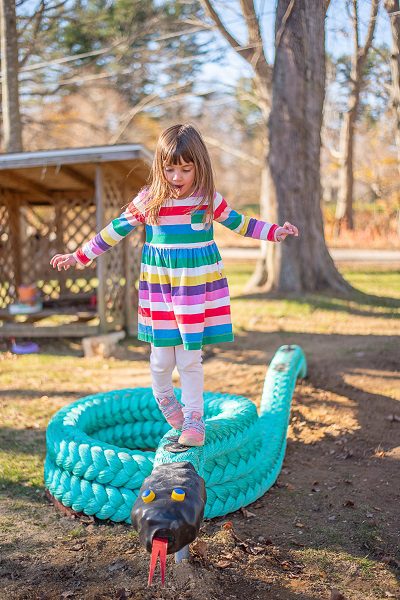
<point>177,144</point>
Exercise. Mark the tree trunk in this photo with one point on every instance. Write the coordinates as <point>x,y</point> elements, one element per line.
<point>9,73</point>
<point>299,264</point>
<point>392,6</point>
<point>344,206</point>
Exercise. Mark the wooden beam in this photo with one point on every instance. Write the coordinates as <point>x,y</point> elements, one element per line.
<point>101,271</point>
<point>27,198</point>
<point>77,176</point>
<point>16,178</point>
<point>69,330</point>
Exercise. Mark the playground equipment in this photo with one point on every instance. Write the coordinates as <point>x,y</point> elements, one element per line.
<point>98,459</point>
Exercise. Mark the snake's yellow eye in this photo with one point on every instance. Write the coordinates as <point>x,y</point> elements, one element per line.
<point>178,495</point>
<point>148,496</point>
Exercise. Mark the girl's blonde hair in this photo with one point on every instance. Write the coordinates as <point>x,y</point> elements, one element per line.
<point>177,144</point>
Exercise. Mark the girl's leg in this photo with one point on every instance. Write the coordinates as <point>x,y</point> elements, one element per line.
<point>189,365</point>
<point>162,363</point>
<point>190,370</point>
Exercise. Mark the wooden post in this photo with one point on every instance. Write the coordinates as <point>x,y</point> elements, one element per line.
<point>58,223</point>
<point>130,313</point>
<point>100,210</point>
<point>14,208</point>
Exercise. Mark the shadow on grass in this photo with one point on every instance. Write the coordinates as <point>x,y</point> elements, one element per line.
<point>336,303</point>
<point>20,491</point>
<point>27,394</point>
<point>18,467</point>
<point>22,441</point>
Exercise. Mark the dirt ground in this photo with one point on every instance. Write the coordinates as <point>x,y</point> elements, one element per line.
<point>328,529</point>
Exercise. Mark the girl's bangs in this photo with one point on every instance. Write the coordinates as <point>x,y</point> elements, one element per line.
<point>176,154</point>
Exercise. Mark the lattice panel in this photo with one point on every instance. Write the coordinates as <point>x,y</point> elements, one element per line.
<point>37,236</point>
<point>8,291</point>
<point>79,222</point>
<point>30,234</point>
<point>78,225</point>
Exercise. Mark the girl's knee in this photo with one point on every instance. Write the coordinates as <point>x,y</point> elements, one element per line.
<point>162,359</point>
<point>189,360</point>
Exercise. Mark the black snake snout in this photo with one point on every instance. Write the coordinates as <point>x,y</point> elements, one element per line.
<point>170,505</point>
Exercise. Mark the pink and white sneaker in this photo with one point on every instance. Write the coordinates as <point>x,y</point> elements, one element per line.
<point>172,411</point>
<point>193,430</point>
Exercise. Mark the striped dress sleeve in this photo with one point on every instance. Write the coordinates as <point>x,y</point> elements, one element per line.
<point>112,233</point>
<point>247,226</point>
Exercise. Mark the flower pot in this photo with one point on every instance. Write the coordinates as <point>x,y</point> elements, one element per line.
<point>27,294</point>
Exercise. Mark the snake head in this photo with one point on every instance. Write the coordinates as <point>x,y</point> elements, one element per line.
<point>170,506</point>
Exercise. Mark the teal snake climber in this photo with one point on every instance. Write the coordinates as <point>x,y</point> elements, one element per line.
<point>99,448</point>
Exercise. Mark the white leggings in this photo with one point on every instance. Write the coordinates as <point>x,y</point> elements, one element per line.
<point>188,362</point>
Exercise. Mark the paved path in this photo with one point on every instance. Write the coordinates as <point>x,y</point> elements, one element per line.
<point>338,254</point>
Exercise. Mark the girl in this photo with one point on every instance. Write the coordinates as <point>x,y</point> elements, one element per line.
<point>183,293</point>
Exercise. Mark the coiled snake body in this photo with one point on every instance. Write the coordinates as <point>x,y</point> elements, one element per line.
<point>102,447</point>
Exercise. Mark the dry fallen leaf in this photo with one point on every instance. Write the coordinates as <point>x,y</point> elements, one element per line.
<point>227,525</point>
<point>77,547</point>
<point>200,548</point>
<point>223,564</point>
<point>246,513</point>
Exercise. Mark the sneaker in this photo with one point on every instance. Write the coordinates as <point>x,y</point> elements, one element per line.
<point>193,430</point>
<point>172,411</point>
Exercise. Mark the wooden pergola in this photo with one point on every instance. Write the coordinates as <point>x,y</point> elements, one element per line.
<point>52,202</point>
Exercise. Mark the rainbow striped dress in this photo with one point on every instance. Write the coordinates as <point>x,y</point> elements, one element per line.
<point>183,292</point>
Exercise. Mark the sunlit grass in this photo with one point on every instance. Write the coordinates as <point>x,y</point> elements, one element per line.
<point>375,300</point>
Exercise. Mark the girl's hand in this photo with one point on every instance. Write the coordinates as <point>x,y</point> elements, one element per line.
<point>288,229</point>
<point>63,261</point>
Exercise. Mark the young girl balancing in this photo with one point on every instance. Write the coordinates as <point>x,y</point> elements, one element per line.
<point>183,293</point>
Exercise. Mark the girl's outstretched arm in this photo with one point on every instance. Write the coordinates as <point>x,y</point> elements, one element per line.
<point>249,226</point>
<point>112,233</point>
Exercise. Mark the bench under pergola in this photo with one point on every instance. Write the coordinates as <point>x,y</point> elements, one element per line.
<point>52,202</point>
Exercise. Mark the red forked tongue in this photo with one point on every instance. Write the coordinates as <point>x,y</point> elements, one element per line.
<point>159,547</point>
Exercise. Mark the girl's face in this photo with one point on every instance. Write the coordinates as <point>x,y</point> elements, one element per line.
<point>181,178</point>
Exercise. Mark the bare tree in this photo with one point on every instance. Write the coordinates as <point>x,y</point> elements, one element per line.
<point>344,207</point>
<point>304,264</point>
<point>291,178</point>
<point>393,10</point>
<point>12,129</point>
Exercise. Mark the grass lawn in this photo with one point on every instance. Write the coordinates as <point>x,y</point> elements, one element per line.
<point>331,521</point>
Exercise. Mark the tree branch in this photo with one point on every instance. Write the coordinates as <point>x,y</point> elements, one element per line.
<point>371,29</point>
<point>245,52</point>
<point>283,23</point>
